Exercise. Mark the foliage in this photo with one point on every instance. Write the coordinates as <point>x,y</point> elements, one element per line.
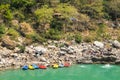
<point>35,37</point>
<point>22,3</point>
<point>8,15</point>
<point>4,7</point>
<point>22,48</point>
<point>57,24</point>
<point>5,11</point>
<point>67,11</point>
<point>112,8</point>
<point>78,38</point>
<point>44,15</point>
<point>52,34</point>
<point>13,33</point>
<point>2,30</point>
<point>19,15</point>
<point>88,38</point>
<point>54,18</point>
<point>94,9</point>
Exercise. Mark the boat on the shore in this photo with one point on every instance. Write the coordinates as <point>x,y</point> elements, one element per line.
<point>61,65</point>
<point>66,64</point>
<point>35,66</point>
<point>25,67</point>
<point>55,66</point>
<point>31,67</point>
<point>42,67</point>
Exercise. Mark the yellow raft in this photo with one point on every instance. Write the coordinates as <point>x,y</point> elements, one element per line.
<point>55,66</point>
<point>31,67</point>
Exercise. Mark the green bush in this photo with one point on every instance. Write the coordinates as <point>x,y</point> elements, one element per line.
<point>35,37</point>
<point>2,30</point>
<point>12,33</point>
<point>88,39</point>
<point>22,48</point>
<point>69,37</point>
<point>8,15</point>
<point>78,38</point>
<point>44,15</point>
<point>19,15</point>
<point>118,38</point>
<point>52,34</point>
<point>106,36</point>
<point>57,24</point>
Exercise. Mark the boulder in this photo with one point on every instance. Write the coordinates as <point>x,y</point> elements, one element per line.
<point>116,44</point>
<point>70,50</point>
<point>104,59</point>
<point>63,49</point>
<point>84,61</point>
<point>51,47</point>
<point>43,59</point>
<point>98,44</point>
<point>62,52</point>
<point>117,62</point>
<point>40,50</point>
<point>109,58</point>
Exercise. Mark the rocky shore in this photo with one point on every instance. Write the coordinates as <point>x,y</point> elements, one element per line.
<point>61,51</point>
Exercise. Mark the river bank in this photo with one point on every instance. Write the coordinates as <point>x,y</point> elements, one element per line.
<point>60,52</point>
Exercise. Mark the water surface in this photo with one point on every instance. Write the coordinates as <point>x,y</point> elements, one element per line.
<point>76,72</point>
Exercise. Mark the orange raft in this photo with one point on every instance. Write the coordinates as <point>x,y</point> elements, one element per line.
<point>42,67</point>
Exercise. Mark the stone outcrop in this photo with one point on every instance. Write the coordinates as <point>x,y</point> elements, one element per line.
<point>98,44</point>
<point>83,53</point>
<point>116,44</point>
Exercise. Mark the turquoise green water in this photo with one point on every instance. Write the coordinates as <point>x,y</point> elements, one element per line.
<point>76,72</point>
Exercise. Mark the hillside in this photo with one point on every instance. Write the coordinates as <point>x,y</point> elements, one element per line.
<point>23,22</point>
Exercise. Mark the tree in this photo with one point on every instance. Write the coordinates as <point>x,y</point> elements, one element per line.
<point>94,8</point>
<point>112,7</point>
<point>5,12</point>
<point>44,15</point>
<point>24,5</point>
<point>67,12</point>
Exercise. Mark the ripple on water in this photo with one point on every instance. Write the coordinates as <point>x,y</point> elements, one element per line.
<point>107,66</point>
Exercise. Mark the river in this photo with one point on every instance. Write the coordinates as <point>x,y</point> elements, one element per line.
<point>75,72</point>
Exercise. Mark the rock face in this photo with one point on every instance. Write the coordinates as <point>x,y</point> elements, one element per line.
<point>83,53</point>
<point>8,43</point>
<point>99,44</point>
<point>104,59</point>
<point>116,44</point>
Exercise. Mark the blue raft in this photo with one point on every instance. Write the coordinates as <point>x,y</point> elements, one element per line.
<point>25,67</point>
<point>61,65</point>
<point>35,66</point>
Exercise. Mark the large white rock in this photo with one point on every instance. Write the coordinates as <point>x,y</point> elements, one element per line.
<point>40,49</point>
<point>43,59</point>
<point>98,44</point>
<point>116,44</point>
<point>62,52</point>
<point>51,46</point>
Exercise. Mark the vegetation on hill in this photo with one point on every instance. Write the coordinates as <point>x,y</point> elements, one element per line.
<point>79,20</point>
